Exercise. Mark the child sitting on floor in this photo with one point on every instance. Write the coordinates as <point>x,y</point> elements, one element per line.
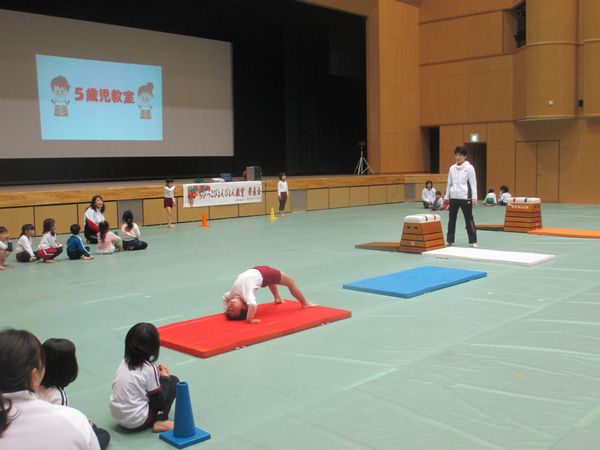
<point>5,246</point>
<point>108,241</point>
<point>438,201</point>
<point>75,247</point>
<point>490,198</point>
<point>504,196</point>
<point>131,233</point>
<point>142,393</point>
<point>49,247</point>
<point>240,302</point>
<point>61,370</point>
<point>24,244</point>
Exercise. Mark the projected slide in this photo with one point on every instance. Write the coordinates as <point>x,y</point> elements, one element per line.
<point>81,99</point>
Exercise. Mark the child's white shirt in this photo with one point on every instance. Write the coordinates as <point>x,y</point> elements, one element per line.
<point>54,395</point>
<point>170,192</point>
<point>132,234</point>
<point>282,186</point>
<point>24,245</point>
<point>3,245</point>
<point>94,216</point>
<point>129,403</point>
<point>244,287</point>
<point>505,197</point>
<point>48,241</point>
<point>428,195</point>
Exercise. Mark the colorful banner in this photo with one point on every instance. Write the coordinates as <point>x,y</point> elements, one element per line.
<point>210,194</point>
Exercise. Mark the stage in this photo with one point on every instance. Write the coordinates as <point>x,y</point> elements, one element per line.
<point>66,203</point>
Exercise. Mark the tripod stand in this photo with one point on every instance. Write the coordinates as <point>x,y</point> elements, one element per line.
<point>363,167</point>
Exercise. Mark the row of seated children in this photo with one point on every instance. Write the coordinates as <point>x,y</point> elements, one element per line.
<point>34,407</point>
<point>49,247</point>
<point>492,200</point>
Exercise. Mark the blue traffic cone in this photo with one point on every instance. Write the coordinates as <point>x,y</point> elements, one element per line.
<point>185,432</point>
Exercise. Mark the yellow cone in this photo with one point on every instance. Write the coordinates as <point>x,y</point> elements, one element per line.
<point>272,216</point>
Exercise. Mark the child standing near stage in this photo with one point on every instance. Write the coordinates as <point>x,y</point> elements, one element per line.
<point>75,247</point>
<point>5,246</point>
<point>169,200</point>
<point>490,198</point>
<point>49,248</point>
<point>504,196</point>
<point>24,248</point>
<point>142,393</point>
<point>108,242</point>
<point>61,370</point>
<point>131,233</point>
<point>282,193</point>
<point>428,194</point>
<point>240,302</point>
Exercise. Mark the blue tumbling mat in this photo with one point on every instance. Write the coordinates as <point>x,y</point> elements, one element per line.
<point>412,282</point>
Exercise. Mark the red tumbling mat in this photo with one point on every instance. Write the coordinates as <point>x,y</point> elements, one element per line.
<point>212,335</point>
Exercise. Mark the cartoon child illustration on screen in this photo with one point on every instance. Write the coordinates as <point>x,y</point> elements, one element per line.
<point>60,96</point>
<point>145,97</point>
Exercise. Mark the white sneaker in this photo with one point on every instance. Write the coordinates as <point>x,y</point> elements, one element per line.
<point>475,245</point>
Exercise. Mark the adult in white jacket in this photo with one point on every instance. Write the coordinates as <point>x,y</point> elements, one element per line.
<point>462,193</point>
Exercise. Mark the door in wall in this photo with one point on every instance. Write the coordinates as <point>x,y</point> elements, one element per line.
<point>547,165</point>
<point>536,170</point>
<point>478,158</point>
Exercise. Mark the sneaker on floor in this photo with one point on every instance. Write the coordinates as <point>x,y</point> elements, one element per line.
<point>475,245</point>
<point>449,244</point>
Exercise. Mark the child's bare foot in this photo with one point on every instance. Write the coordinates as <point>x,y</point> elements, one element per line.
<point>279,300</point>
<point>49,261</point>
<point>171,225</point>
<point>309,304</point>
<point>162,425</point>
<point>2,267</point>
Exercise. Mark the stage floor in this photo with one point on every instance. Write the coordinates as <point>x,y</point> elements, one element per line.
<point>511,361</point>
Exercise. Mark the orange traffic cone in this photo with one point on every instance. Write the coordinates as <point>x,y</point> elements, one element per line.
<point>204,223</point>
<point>272,215</point>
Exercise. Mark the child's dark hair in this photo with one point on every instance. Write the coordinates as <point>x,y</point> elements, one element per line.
<point>461,150</point>
<point>48,225</point>
<point>103,227</point>
<point>169,180</point>
<point>504,188</point>
<point>93,203</point>
<point>27,227</point>
<point>61,363</point>
<point>20,352</point>
<point>142,344</point>
<point>281,175</point>
<point>428,182</point>
<point>128,219</point>
<point>75,228</point>
<point>438,193</point>
<point>3,229</point>
<point>491,191</point>
<point>241,316</point>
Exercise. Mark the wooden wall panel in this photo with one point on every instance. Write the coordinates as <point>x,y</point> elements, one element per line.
<point>395,193</point>
<point>317,199</point>
<point>475,128</point>
<point>445,9</point>
<point>462,38</point>
<point>551,20</point>
<point>222,211</point>
<point>525,170</point>
<point>155,213</point>
<point>189,214</point>
<point>547,171</point>
<point>359,196</point>
<point>64,215</point>
<point>501,168</point>
<point>591,78</point>
<point>14,218</point>
<point>571,183</point>
<point>339,197</point>
<point>271,201</point>
<point>257,209</point>
<point>590,18</point>
<point>377,195</point>
<point>450,137</point>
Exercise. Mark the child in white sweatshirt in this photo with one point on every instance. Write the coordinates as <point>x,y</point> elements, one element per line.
<point>49,248</point>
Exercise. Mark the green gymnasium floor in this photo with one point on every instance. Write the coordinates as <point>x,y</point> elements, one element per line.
<point>508,361</point>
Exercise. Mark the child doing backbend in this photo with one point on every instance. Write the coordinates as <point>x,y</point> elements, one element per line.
<point>240,302</point>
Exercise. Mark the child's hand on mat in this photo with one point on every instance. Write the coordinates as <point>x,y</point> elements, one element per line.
<point>255,321</point>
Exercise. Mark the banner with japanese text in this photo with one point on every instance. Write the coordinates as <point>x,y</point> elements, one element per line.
<point>83,99</point>
<point>209,194</point>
